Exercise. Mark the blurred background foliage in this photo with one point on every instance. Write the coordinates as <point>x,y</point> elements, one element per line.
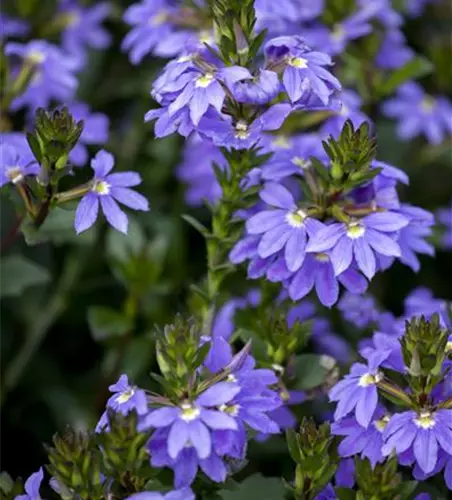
<point>76,311</point>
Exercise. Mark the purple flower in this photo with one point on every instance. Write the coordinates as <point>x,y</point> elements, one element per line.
<point>362,239</point>
<point>423,433</point>
<point>95,131</point>
<point>198,90</point>
<point>53,79</point>
<point>286,226</point>
<point>186,465</point>
<point>327,342</point>
<point>32,486</point>
<point>182,494</point>
<point>125,398</point>
<point>153,30</point>
<point>357,392</point>
<point>422,302</point>
<point>259,89</point>
<point>335,41</point>
<point>420,114</point>
<point>12,28</point>
<point>15,163</point>
<point>416,7</point>
<point>304,71</point>
<point>444,217</point>
<point>193,421</point>
<point>360,310</point>
<point>106,189</point>
<point>384,351</point>
<point>83,28</point>
<point>394,51</point>
<point>412,237</point>
<point>242,134</point>
<point>359,440</point>
<point>317,270</point>
<point>196,170</point>
<point>384,11</point>
<point>350,110</point>
<point>292,158</point>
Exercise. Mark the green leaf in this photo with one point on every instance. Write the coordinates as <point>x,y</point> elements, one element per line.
<point>6,483</point>
<point>121,247</point>
<point>256,487</point>
<point>310,371</point>
<point>18,273</point>
<point>413,69</point>
<point>345,494</point>
<point>105,323</point>
<point>292,444</point>
<point>196,224</point>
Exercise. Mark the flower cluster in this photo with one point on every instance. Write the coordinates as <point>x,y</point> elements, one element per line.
<point>419,433</point>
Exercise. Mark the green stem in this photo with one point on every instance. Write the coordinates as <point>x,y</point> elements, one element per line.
<point>40,325</point>
<point>395,391</point>
<point>72,194</point>
<point>19,85</point>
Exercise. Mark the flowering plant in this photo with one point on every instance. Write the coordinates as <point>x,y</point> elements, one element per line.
<point>261,365</point>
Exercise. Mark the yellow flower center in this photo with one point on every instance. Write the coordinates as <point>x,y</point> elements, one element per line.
<point>204,81</point>
<point>425,420</point>
<point>189,412</point>
<point>427,104</point>
<point>125,396</point>
<point>322,257</point>
<point>355,230</point>
<point>296,219</point>
<point>449,347</point>
<point>232,410</point>
<point>338,33</point>
<point>36,57</point>
<point>300,162</point>
<point>231,378</point>
<point>14,174</point>
<point>298,62</point>
<point>281,142</point>
<point>381,424</point>
<point>369,379</point>
<point>158,19</point>
<point>101,187</point>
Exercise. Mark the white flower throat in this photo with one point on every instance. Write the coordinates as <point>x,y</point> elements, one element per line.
<point>425,420</point>
<point>369,379</point>
<point>101,187</point>
<point>298,62</point>
<point>14,174</point>
<point>355,230</point>
<point>189,412</point>
<point>241,130</point>
<point>296,219</point>
<point>204,81</point>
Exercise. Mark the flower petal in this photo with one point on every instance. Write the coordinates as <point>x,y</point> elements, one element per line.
<point>86,213</point>
<point>386,221</point>
<point>382,243</point>
<point>130,198</point>
<point>218,394</point>
<point>115,216</point>
<point>426,450</point>
<point>278,196</point>
<point>218,420</point>
<point>177,437</point>
<point>102,163</point>
<point>200,438</point>
<point>325,238</point>
<point>365,257</point>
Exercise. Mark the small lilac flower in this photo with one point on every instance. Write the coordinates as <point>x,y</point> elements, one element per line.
<point>12,28</point>
<point>384,11</point>
<point>317,270</point>
<point>292,158</point>
<point>201,89</point>
<point>106,189</point>
<point>54,77</point>
<point>15,165</point>
<point>412,237</point>
<point>359,440</point>
<point>304,70</point>
<point>350,109</point>
<point>95,131</point>
<point>285,226</point>
<point>259,89</point>
<point>241,134</point>
<point>329,343</point>
<point>360,310</point>
<point>186,465</point>
<point>444,217</point>
<point>125,398</point>
<point>385,351</point>
<point>153,30</point>
<point>191,421</point>
<point>361,239</point>
<point>196,170</point>
<point>418,113</point>
<point>424,433</point>
<point>421,301</point>
<point>335,41</point>
<point>357,392</point>
<point>83,28</point>
<point>32,486</point>
<point>182,494</point>
<point>394,51</point>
